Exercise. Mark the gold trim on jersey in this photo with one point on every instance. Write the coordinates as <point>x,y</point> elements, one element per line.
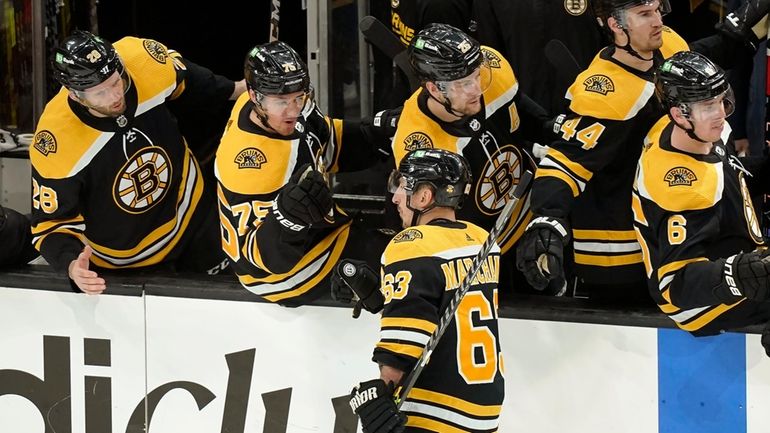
<point>154,247</point>
<point>305,275</point>
<point>696,318</point>
<point>672,267</point>
<point>74,227</point>
<point>645,253</point>
<point>606,248</point>
<point>438,241</point>
<point>408,322</point>
<point>401,349</point>
<point>636,208</point>
<point>333,146</point>
<point>454,402</point>
<point>575,170</point>
<point>657,182</point>
<point>562,176</point>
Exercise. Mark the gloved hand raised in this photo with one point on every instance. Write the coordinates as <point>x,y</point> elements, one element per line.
<point>540,252</point>
<point>747,23</point>
<point>373,402</point>
<point>306,199</point>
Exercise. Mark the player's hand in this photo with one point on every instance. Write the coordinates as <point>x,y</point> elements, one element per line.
<point>746,275</point>
<point>351,277</point>
<point>306,199</point>
<point>87,280</point>
<point>373,402</point>
<point>540,252</point>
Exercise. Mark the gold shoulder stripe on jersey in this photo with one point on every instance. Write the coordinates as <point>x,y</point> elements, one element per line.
<point>407,236</point>
<point>680,176</point>
<point>492,58</point>
<point>251,157</point>
<point>156,50</point>
<point>45,142</point>
<point>575,7</point>
<point>599,84</point>
<point>417,140</point>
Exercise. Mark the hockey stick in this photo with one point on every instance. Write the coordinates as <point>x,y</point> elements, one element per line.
<point>559,56</point>
<point>275,17</point>
<point>381,37</point>
<point>465,286</point>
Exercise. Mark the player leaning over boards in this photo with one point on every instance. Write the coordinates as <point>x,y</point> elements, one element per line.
<point>461,388</point>
<point>280,226</point>
<point>705,258</point>
<point>114,183</point>
<point>582,187</point>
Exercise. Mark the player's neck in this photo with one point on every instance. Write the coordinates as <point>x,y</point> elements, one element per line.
<point>680,140</point>
<point>438,212</point>
<point>632,61</point>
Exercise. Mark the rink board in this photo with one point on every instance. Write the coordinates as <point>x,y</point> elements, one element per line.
<point>226,366</point>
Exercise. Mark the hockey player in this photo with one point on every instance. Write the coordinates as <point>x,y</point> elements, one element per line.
<point>280,227</point>
<point>469,104</point>
<point>461,388</point>
<point>582,186</point>
<point>110,170</point>
<point>703,250</point>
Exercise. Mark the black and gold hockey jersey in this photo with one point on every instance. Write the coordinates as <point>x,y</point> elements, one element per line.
<point>587,174</point>
<point>252,165</point>
<point>492,141</point>
<point>462,387</point>
<point>689,211</point>
<point>128,186</point>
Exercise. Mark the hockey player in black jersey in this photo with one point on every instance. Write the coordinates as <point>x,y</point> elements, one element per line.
<point>470,104</point>
<point>582,186</point>
<point>461,388</point>
<point>280,227</point>
<point>114,183</point>
<point>706,263</point>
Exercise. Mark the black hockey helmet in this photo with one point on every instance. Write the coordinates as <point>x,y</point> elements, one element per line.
<point>604,9</point>
<point>441,52</point>
<point>275,69</point>
<point>446,172</point>
<point>84,60</point>
<point>688,77</point>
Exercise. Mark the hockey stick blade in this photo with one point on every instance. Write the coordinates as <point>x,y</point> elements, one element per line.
<point>381,37</point>
<point>454,304</point>
<point>560,57</point>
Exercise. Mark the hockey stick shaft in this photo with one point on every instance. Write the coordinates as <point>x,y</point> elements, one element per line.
<point>465,286</point>
<point>275,18</point>
<point>560,57</point>
<point>381,37</point>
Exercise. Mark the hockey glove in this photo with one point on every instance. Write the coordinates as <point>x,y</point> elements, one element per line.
<point>305,200</point>
<point>356,277</point>
<point>766,338</point>
<point>540,252</point>
<point>747,23</point>
<point>373,402</point>
<point>745,275</point>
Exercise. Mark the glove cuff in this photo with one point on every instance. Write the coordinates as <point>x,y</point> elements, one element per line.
<point>557,225</point>
<point>283,220</point>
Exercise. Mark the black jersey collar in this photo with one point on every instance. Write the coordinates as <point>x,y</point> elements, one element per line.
<point>458,128</point>
<point>108,124</point>
<point>657,60</point>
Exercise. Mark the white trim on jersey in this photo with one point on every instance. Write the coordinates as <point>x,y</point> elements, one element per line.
<point>470,424</point>
<point>401,335</point>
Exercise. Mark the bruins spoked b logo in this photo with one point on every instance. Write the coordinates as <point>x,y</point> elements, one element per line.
<point>501,173</point>
<point>143,181</point>
<point>575,7</point>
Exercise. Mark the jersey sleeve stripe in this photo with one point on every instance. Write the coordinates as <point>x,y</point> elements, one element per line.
<point>672,267</point>
<point>402,349</point>
<point>76,231</point>
<point>47,226</point>
<point>575,169</point>
<point>604,235</point>
<point>454,402</point>
<point>692,320</point>
<point>558,174</point>
<point>468,423</point>
<point>406,322</point>
<point>608,261</point>
<point>401,335</point>
<point>606,247</point>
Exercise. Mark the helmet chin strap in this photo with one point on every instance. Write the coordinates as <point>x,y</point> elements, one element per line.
<point>690,131</point>
<point>417,213</point>
<point>630,50</point>
<point>447,104</point>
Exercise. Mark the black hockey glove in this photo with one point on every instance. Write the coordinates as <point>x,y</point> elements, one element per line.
<point>745,275</point>
<point>356,277</point>
<point>305,200</point>
<point>747,23</point>
<point>540,252</point>
<point>766,338</point>
<point>373,402</point>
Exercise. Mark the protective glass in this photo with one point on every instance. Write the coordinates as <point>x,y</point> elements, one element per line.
<point>719,107</point>
<point>645,13</point>
<point>108,91</point>
<point>279,104</point>
<point>469,87</point>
